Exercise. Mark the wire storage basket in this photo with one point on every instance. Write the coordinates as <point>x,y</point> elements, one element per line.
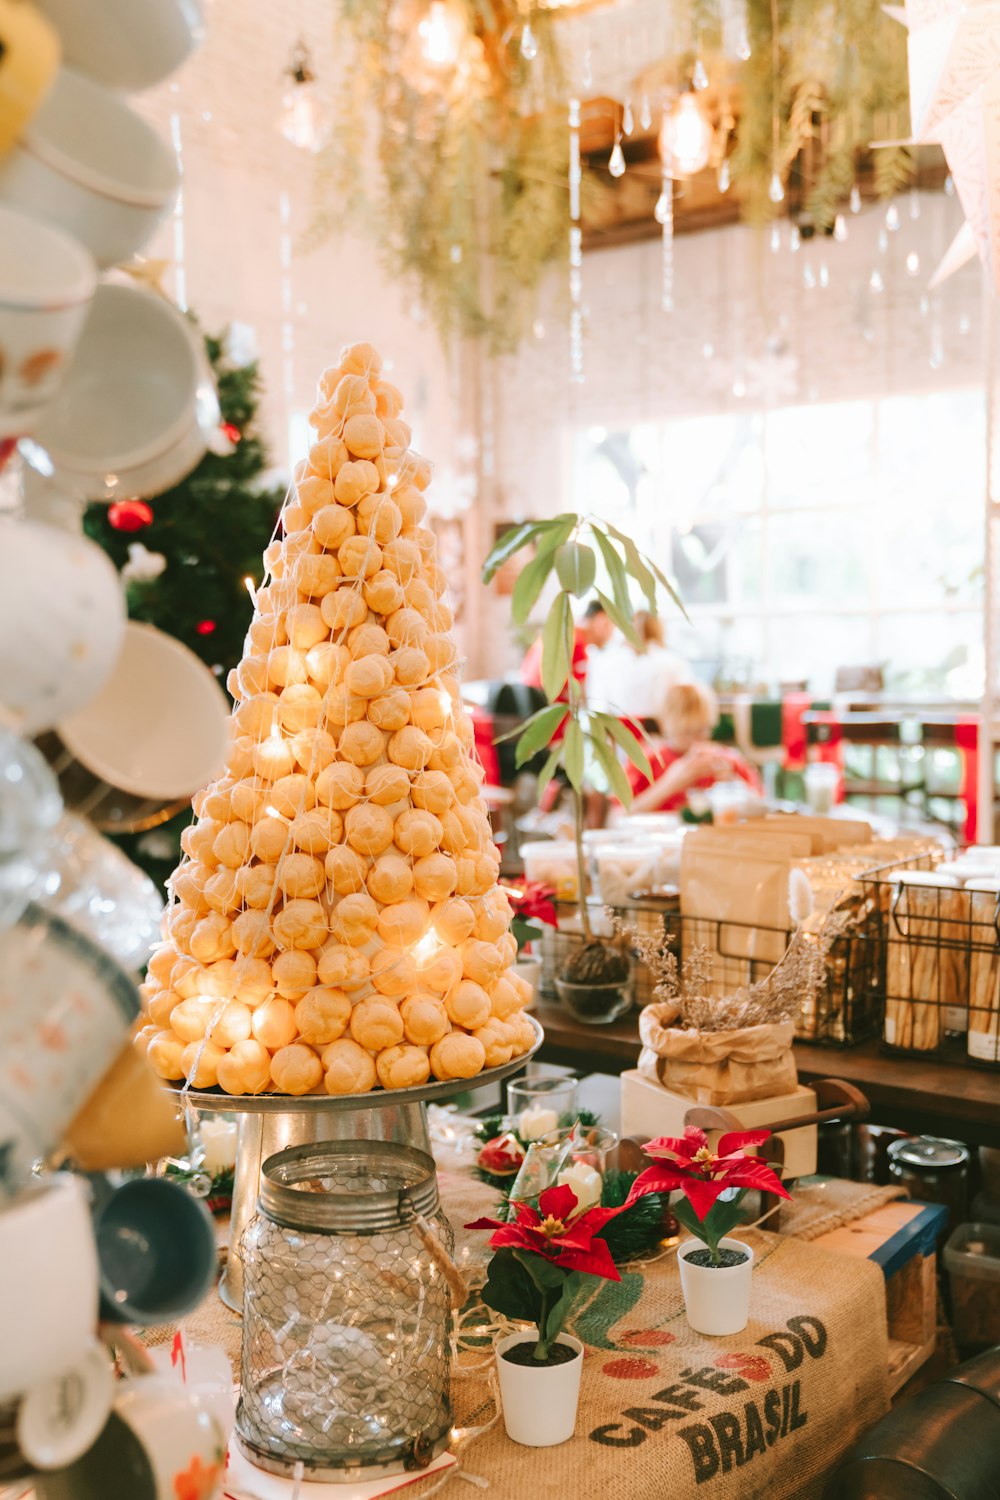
<point>845,1007</point>
<point>940,946</point>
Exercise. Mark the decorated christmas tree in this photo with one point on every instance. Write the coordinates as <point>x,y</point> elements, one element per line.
<point>336,922</point>
<point>185,555</point>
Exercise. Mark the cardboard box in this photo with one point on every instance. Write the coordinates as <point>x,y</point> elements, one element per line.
<point>648,1109</point>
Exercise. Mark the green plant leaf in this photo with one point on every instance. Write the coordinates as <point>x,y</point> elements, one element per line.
<point>616,570</point>
<point>547,772</point>
<point>555,650</point>
<point>510,1290</point>
<point>623,621</point>
<point>538,732</point>
<point>612,767</point>
<point>573,754</point>
<point>636,565</point>
<point>508,544</point>
<point>627,740</point>
<point>576,568</point>
<point>665,581</point>
<point>529,584</point>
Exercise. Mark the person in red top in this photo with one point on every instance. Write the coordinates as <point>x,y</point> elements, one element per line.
<point>595,629</point>
<point>685,755</point>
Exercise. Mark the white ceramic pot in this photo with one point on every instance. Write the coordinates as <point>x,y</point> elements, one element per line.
<point>90,164</point>
<point>48,1290</point>
<point>539,1404</point>
<point>716,1300</point>
<point>127,44</point>
<point>529,967</point>
<point>47,281</point>
<point>160,727</point>
<point>134,416</point>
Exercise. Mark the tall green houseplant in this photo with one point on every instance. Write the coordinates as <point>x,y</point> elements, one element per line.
<point>569,547</point>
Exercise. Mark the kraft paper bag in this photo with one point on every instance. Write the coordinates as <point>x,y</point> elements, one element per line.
<point>735,903</point>
<point>717,1067</point>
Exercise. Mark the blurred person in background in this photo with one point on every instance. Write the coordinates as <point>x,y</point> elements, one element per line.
<point>683,756</point>
<point>632,681</point>
<point>594,630</point>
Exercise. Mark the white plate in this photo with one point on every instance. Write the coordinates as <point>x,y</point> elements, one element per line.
<point>159,728</point>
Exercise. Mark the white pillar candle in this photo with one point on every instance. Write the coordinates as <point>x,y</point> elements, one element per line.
<point>585,1181</point>
<point>218,1139</point>
<point>536,1122</point>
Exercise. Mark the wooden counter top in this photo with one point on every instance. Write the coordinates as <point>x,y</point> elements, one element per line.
<point>923,1095</point>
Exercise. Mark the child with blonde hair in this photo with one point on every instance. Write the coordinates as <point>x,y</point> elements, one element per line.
<point>684,755</point>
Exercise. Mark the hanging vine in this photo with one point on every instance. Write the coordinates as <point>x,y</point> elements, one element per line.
<point>450,147</point>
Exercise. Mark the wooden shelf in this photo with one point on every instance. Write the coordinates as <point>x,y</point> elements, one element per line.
<point>923,1095</point>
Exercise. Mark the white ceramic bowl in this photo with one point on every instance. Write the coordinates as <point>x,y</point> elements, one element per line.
<point>48,1291</point>
<point>90,164</point>
<point>160,727</point>
<point>126,44</point>
<point>133,417</point>
<point>47,281</point>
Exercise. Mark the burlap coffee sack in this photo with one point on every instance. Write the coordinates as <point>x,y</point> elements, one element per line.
<point>760,1415</point>
<point>717,1067</point>
<point>818,1207</point>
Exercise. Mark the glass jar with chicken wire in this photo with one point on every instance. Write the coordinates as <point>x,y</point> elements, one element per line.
<point>347,1309</point>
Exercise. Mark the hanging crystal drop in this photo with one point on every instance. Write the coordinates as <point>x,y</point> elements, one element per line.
<point>883,241</point>
<point>628,122</point>
<point>855,199</point>
<point>665,217</point>
<point>794,238</point>
<point>913,263</point>
<point>699,77</point>
<point>743,45</point>
<point>645,112</point>
<point>529,43</point>
<point>840,229</point>
<point>776,192</point>
<point>616,161</point>
<point>892,218</point>
<point>455,254</point>
<point>808,277</point>
<point>949,185</point>
<point>824,275</point>
<point>875,282</point>
<point>775,238</point>
<point>724,176</point>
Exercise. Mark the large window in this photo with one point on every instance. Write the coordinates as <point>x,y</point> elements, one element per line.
<point>811,538</point>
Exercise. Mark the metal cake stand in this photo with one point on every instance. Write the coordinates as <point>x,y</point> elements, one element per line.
<point>270,1122</point>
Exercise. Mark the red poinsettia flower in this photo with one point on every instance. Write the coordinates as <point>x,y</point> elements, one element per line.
<point>502,1156</point>
<point>687,1162</point>
<point>533,901</point>
<point>558,1232</point>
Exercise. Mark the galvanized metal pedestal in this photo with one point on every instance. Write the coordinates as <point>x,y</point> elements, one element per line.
<point>270,1122</point>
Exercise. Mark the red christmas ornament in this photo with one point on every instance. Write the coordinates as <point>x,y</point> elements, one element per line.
<point>231,431</point>
<point>129,515</point>
<point>205,627</point>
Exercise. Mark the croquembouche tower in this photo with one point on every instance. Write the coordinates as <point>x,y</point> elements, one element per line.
<point>336,925</point>
<point>336,934</point>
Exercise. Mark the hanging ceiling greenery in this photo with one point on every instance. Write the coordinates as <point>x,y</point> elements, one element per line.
<point>450,146</point>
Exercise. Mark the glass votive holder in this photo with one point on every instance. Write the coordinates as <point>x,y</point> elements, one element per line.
<point>579,1157</point>
<point>538,1106</point>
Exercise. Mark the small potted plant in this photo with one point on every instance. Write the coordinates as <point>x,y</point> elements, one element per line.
<point>540,1267</point>
<point>534,907</point>
<point>715,1269</point>
<point>595,983</point>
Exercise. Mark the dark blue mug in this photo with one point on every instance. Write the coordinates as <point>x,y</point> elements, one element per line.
<point>156,1251</point>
